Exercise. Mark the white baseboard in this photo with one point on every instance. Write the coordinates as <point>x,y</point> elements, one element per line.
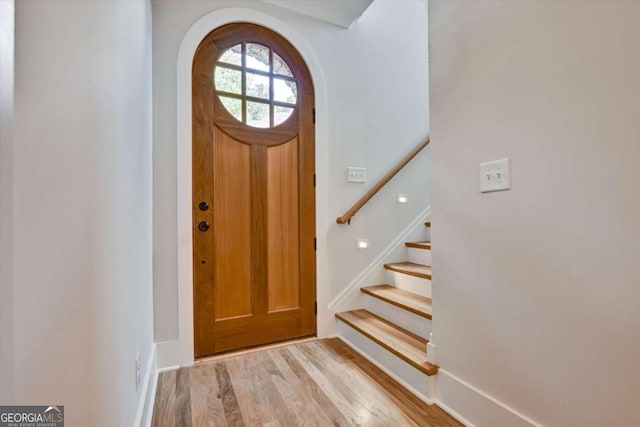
<point>168,354</point>
<point>362,279</point>
<point>148,392</point>
<point>474,408</point>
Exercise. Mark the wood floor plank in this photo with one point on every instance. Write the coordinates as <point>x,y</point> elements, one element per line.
<point>165,405</point>
<point>183,397</point>
<point>199,381</point>
<point>421,413</point>
<point>381,397</point>
<point>241,380</point>
<point>397,394</point>
<point>373,399</point>
<point>296,394</point>
<point>317,383</point>
<point>206,403</point>
<point>337,392</point>
<point>215,402</point>
<point>258,398</point>
<point>267,373</point>
<point>230,405</point>
<point>318,395</point>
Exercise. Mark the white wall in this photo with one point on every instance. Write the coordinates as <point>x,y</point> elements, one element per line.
<point>536,289</point>
<point>7,63</point>
<point>377,111</point>
<point>82,244</point>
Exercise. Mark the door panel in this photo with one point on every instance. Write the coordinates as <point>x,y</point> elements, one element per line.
<point>283,226</point>
<point>253,193</point>
<point>231,227</point>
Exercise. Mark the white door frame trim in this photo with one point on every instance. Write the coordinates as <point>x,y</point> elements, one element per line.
<point>181,352</point>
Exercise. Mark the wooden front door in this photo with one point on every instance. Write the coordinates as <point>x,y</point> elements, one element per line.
<point>253,191</point>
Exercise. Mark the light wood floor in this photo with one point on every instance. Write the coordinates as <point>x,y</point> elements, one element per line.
<point>315,383</point>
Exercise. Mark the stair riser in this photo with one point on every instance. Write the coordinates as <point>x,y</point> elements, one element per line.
<point>423,386</point>
<point>419,256</point>
<point>399,316</point>
<point>414,284</point>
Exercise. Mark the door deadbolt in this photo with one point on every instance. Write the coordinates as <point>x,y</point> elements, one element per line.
<point>203,206</point>
<point>203,226</point>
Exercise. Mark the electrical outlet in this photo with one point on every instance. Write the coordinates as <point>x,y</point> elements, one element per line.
<point>138,371</point>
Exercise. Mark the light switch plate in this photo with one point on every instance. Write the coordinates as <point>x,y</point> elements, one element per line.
<point>495,176</point>
<point>356,174</point>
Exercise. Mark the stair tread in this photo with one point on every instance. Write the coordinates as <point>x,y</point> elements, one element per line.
<point>410,268</point>
<point>418,245</point>
<point>427,224</point>
<point>409,301</point>
<point>402,343</point>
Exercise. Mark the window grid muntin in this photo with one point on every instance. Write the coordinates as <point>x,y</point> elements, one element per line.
<point>243,97</point>
<point>270,87</point>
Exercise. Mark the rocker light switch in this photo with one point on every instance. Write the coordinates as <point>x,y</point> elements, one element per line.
<point>495,176</point>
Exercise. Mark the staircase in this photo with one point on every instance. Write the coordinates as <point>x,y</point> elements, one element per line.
<point>393,328</point>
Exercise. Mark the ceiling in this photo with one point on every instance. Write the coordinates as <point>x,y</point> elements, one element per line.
<point>338,12</point>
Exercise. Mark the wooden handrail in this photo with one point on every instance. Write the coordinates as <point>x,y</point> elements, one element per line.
<point>346,218</point>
